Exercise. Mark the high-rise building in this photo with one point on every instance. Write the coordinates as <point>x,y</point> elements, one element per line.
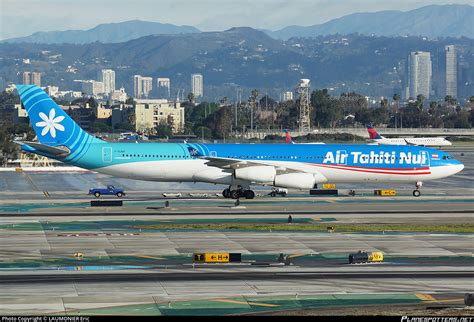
<point>36,78</point>
<point>197,85</point>
<point>451,71</point>
<point>137,86</point>
<point>107,76</point>
<point>92,87</point>
<point>419,74</point>
<point>287,96</point>
<point>147,85</point>
<point>164,87</point>
<point>26,78</point>
<point>142,86</point>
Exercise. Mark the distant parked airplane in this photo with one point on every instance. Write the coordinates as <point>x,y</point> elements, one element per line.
<point>289,140</point>
<point>423,141</point>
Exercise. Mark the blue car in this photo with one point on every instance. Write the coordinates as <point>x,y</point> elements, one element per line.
<point>110,190</point>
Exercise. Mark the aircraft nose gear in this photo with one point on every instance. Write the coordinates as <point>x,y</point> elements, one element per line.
<point>416,192</point>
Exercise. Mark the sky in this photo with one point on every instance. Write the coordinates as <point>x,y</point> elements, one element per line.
<point>24,17</point>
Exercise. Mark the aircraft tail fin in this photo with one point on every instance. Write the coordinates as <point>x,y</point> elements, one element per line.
<point>288,139</point>
<point>58,135</point>
<point>51,124</point>
<point>373,135</point>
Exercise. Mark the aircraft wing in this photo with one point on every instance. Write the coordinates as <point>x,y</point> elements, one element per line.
<point>232,164</point>
<point>229,163</point>
<point>410,143</point>
<point>226,163</point>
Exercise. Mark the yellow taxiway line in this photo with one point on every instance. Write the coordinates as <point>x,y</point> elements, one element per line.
<point>246,303</point>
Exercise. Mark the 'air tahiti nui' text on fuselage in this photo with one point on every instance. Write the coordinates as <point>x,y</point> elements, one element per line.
<point>382,157</point>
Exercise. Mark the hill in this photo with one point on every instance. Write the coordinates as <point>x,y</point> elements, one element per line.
<point>105,33</point>
<point>238,58</point>
<point>430,21</point>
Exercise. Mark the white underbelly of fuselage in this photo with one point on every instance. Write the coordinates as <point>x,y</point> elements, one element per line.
<point>169,171</point>
<point>198,171</point>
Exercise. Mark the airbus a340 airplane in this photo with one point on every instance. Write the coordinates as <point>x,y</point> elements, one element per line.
<point>236,165</point>
<point>426,141</point>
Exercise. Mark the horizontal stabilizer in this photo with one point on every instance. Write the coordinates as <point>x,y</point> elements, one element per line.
<point>57,151</point>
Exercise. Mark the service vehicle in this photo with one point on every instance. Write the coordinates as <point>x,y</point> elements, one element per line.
<point>110,190</point>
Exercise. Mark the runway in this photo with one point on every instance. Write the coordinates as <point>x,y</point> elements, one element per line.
<point>236,276</point>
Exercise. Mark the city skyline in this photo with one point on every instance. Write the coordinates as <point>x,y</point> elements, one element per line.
<point>41,16</point>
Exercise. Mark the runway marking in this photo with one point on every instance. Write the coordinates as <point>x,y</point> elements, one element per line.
<point>443,301</point>
<point>425,297</point>
<point>145,256</point>
<point>246,303</point>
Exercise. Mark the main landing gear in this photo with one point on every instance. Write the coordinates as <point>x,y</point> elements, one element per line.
<point>416,192</point>
<point>238,193</point>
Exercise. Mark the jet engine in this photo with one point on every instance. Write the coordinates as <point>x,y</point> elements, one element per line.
<point>256,173</point>
<point>295,180</point>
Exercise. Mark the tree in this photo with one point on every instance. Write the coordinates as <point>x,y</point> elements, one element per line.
<point>222,122</point>
<point>252,103</point>
<point>451,101</point>
<point>92,102</point>
<point>191,98</point>
<point>203,132</point>
<point>224,101</point>
<point>396,99</point>
<point>124,126</point>
<point>419,105</point>
<point>98,126</point>
<point>163,130</point>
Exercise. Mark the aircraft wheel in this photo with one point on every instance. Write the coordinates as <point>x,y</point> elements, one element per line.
<point>235,194</point>
<point>97,194</point>
<point>226,193</point>
<point>416,193</point>
<point>249,194</point>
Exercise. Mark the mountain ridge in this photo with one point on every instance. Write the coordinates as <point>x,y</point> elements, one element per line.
<point>431,21</point>
<point>114,32</point>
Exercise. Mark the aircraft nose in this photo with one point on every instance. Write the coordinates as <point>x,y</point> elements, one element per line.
<point>457,167</point>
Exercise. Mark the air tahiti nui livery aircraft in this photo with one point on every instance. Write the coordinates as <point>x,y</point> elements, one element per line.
<point>300,166</point>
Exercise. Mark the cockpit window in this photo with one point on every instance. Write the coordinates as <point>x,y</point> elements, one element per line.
<point>446,157</point>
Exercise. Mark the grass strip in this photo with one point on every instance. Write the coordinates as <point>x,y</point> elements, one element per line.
<point>434,228</point>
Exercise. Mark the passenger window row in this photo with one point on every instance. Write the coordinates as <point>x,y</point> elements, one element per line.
<point>155,156</point>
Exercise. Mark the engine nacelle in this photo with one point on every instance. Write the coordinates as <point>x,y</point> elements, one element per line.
<point>213,175</point>
<point>256,173</point>
<point>295,180</point>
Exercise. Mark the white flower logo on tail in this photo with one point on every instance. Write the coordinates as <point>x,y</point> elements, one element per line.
<point>50,124</point>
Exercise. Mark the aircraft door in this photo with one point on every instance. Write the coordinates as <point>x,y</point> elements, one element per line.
<point>107,154</point>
